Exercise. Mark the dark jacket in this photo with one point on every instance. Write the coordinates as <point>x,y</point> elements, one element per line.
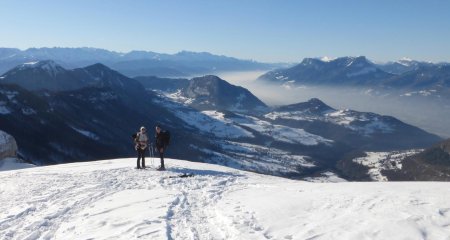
<point>159,140</point>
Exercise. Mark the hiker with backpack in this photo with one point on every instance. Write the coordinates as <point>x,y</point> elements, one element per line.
<point>162,141</point>
<point>141,144</point>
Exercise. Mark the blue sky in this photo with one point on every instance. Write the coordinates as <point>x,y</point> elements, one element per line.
<point>264,30</point>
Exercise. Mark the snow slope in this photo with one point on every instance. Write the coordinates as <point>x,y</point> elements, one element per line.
<point>111,200</point>
<point>363,123</point>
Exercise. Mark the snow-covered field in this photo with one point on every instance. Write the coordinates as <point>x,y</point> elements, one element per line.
<point>364,123</point>
<point>111,200</point>
<point>379,161</point>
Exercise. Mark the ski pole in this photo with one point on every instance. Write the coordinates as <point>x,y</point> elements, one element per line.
<point>152,155</point>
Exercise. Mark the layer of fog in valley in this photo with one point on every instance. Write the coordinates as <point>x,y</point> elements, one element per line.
<point>428,113</point>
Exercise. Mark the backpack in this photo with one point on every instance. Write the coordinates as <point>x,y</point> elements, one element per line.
<point>166,137</point>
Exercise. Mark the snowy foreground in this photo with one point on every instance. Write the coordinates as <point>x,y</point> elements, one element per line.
<point>111,200</point>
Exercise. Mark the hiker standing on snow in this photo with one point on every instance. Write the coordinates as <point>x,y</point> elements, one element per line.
<point>141,142</point>
<point>161,144</point>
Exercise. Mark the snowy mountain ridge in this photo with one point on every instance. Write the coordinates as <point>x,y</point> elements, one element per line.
<point>133,63</point>
<point>48,66</point>
<point>364,123</point>
<point>213,93</point>
<point>48,75</point>
<point>111,200</point>
<point>339,71</point>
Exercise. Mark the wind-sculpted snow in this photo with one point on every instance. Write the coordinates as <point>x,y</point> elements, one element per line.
<point>112,200</point>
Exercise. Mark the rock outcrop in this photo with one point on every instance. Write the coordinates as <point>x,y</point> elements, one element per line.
<point>8,146</point>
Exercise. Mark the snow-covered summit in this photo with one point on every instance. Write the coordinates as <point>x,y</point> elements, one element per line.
<point>112,200</point>
<point>407,62</point>
<point>316,110</point>
<point>314,105</point>
<point>48,75</point>
<point>36,75</point>
<point>211,93</point>
<point>49,66</point>
<point>405,59</point>
<point>327,59</point>
<point>343,61</point>
<point>311,61</point>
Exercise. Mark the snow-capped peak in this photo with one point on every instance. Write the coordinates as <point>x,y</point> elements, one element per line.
<point>48,65</point>
<point>311,61</point>
<point>356,61</point>
<point>405,59</point>
<point>43,63</point>
<point>327,59</point>
<point>31,63</point>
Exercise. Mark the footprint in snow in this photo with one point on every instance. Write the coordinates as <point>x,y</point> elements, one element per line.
<point>444,211</point>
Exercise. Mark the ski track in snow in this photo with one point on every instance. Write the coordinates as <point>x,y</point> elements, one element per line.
<point>65,204</point>
<point>111,200</point>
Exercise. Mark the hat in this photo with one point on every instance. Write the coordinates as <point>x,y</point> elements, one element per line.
<point>143,128</point>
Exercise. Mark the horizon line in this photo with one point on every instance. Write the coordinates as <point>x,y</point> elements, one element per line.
<point>324,58</point>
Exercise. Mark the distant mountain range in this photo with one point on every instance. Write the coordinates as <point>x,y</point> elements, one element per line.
<point>407,75</point>
<point>403,65</point>
<point>341,71</point>
<point>59,115</point>
<point>134,63</point>
<point>48,75</point>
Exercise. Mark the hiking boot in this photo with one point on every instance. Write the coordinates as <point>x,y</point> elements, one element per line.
<point>161,169</point>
